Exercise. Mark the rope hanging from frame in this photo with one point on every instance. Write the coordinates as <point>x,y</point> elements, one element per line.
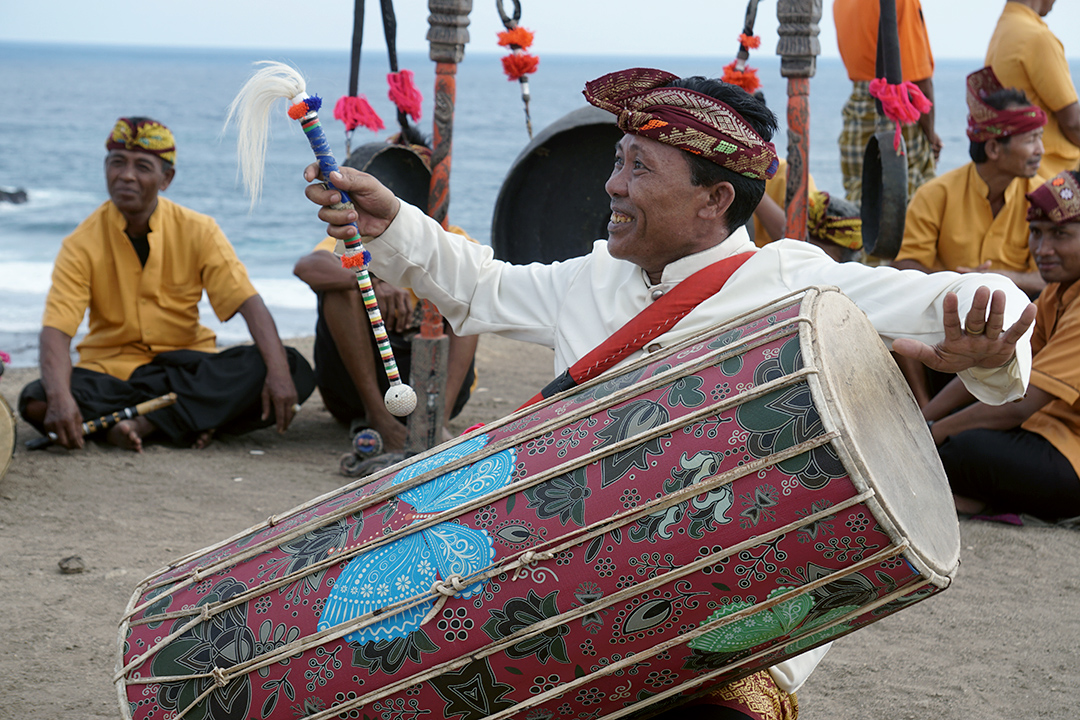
<point>353,109</point>
<point>519,64</point>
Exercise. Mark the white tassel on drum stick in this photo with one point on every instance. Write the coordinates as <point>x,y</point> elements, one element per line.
<point>251,108</point>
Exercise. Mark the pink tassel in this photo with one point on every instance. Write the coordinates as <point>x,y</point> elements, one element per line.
<point>355,111</point>
<point>902,103</point>
<point>404,94</point>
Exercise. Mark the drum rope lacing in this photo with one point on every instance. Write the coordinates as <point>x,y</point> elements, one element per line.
<point>358,702</point>
<point>598,528</point>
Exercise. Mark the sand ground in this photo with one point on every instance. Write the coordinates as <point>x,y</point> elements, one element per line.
<point>1002,642</point>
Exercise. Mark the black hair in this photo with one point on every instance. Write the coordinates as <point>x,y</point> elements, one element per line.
<point>748,191</point>
<point>1002,99</point>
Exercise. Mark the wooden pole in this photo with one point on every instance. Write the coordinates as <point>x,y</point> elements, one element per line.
<point>798,50</point>
<point>447,35</point>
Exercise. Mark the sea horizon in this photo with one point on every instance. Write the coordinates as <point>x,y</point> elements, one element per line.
<point>52,145</point>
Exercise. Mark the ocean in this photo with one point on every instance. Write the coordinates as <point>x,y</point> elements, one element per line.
<point>63,101</point>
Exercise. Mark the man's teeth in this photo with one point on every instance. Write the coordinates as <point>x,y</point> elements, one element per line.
<point>618,218</point>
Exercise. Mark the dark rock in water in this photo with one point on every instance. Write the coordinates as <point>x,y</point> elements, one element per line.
<point>16,197</point>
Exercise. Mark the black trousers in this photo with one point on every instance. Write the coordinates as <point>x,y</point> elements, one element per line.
<point>1012,471</point>
<point>221,391</point>
<point>336,387</point>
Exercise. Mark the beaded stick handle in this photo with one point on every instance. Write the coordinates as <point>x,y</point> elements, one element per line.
<point>400,398</point>
<point>251,108</point>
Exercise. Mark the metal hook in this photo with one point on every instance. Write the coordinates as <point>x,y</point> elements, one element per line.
<point>508,22</point>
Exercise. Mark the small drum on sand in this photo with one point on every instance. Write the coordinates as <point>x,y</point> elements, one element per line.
<point>7,436</point>
<point>698,515</point>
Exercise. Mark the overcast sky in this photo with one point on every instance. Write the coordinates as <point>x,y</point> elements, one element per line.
<point>958,28</point>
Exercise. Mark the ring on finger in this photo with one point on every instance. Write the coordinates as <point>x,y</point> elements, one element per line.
<point>980,331</point>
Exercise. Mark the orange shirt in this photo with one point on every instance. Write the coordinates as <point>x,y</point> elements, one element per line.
<point>137,312</point>
<point>1054,369</point>
<point>857,31</point>
<point>950,224</point>
<point>1026,55</point>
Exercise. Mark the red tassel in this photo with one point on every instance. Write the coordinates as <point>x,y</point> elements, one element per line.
<point>746,78</point>
<point>517,65</point>
<point>356,111</point>
<point>750,42</point>
<point>903,104</point>
<point>403,93</point>
<point>517,38</point>
<point>352,261</point>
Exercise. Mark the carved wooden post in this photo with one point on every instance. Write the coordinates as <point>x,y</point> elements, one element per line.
<point>798,50</point>
<point>447,36</point>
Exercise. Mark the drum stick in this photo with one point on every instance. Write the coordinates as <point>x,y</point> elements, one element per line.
<point>107,421</point>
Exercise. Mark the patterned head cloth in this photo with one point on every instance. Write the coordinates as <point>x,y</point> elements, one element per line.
<point>685,119</point>
<point>1058,200</point>
<point>834,220</point>
<point>986,122</point>
<point>144,135</point>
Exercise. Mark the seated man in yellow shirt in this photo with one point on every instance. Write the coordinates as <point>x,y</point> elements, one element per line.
<point>140,264</point>
<point>348,369</point>
<point>1023,457</point>
<point>973,218</point>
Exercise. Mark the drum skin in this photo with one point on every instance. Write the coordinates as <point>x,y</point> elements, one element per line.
<point>697,516</point>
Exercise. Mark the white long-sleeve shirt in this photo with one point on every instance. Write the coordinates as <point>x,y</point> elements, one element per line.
<point>574,305</point>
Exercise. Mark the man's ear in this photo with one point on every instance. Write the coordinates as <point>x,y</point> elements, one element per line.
<point>993,149</point>
<point>170,173</point>
<point>719,199</point>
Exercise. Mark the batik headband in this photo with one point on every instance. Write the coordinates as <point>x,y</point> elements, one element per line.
<point>986,122</point>
<point>143,135</point>
<point>682,118</point>
<point>1057,200</point>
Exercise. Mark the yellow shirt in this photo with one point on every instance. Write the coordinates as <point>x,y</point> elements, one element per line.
<point>1026,55</point>
<point>137,312</point>
<point>949,224</point>
<point>776,188</point>
<point>1054,369</point>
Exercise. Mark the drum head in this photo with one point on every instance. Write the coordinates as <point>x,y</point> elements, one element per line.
<point>911,485</point>
<point>7,435</point>
<point>552,204</point>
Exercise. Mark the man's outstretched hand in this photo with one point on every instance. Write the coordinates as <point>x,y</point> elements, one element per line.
<point>374,206</point>
<point>981,341</point>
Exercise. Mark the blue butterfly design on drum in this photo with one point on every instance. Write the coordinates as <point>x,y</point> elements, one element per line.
<point>409,566</point>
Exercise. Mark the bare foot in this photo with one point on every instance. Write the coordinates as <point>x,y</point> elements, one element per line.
<point>128,434</point>
<point>392,431</point>
<point>204,439</point>
<point>968,506</point>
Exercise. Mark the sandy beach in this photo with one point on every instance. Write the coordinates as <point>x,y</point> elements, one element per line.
<point>1003,642</point>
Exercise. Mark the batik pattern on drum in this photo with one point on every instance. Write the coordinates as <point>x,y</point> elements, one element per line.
<point>684,523</point>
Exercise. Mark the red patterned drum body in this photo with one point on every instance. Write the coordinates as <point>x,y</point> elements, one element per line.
<point>699,515</point>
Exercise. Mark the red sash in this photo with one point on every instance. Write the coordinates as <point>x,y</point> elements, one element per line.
<point>653,321</point>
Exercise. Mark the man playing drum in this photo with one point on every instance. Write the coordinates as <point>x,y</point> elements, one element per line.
<point>687,176</point>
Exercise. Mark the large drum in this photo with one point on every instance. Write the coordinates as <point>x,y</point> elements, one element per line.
<point>713,509</point>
